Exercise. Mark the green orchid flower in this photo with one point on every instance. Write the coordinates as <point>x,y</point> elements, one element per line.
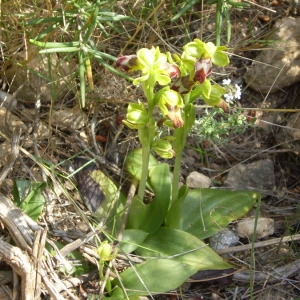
<point>170,102</point>
<point>152,63</point>
<point>200,50</point>
<point>155,65</point>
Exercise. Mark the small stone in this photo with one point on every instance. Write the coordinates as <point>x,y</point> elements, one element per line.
<point>198,180</point>
<point>224,239</point>
<point>264,228</point>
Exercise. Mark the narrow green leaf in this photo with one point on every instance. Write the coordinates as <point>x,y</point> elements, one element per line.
<point>90,24</point>
<point>82,70</point>
<point>207,211</point>
<point>57,45</point>
<point>54,50</point>
<point>182,246</point>
<point>186,7</point>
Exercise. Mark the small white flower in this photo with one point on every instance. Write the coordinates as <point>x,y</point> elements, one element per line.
<point>228,97</point>
<point>234,91</point>
<point>238,92</point>
<point>226,81</point>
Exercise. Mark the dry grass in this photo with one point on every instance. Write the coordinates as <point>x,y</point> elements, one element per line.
<point>45,144</point>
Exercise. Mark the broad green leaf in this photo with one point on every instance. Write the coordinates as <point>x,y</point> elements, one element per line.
<point>137,214</point>
<point>133,163</point>
<point>113,197</point>
<point>160,181</point>
<point>154,277</point>
<point>207,211</point>
<point>149,217</point>
<point>116,294</point>
<point>132,238</point>
<point>184,247</point>
<point>28,196</point>
<point>174,215</point>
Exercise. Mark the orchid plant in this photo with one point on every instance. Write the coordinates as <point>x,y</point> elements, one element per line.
<point>180,80</point>
<point>180,218</point>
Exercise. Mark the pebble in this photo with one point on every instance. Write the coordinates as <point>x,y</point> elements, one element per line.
<point>198,180</point>
<point>264,228</point>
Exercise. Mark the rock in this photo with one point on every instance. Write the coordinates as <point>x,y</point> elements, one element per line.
<point>257,176</point>
<point>264,228</point>
<point>224,239</point>
<point>279,66</point>
<point>198,180</point>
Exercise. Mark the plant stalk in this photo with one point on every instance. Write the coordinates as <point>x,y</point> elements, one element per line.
<point>146,136</point>
<point>144,175</point>
<point>180,136</point>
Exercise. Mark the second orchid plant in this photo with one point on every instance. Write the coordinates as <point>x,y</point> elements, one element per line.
<point>171,83</point>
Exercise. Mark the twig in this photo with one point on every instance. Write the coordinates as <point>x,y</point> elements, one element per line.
<point>259,244</point>
<point>275,275</point>
<point>260,6</point>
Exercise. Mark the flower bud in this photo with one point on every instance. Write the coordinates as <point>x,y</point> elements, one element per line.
<point>128,63</point>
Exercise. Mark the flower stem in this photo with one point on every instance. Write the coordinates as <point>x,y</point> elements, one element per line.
<point>180,136</point>
<point>146,136</point>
